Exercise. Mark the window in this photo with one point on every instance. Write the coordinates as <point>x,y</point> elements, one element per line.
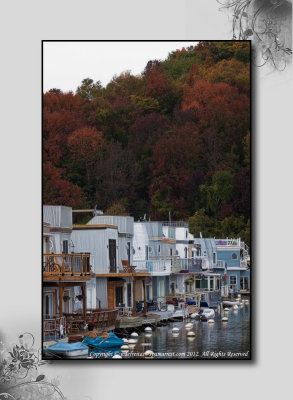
<point>49,303</point>
<point>185,252</point>
<point>232,279</point>
<point>234,256</point>
<point>112,254</point>
<point>214,258</point>
<point>128,252</point>
<point>244,283</point>
<point>128,294</point>
<point>65,247</point>
<point>159,249</point>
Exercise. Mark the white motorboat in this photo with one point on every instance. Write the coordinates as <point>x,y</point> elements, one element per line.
<point>67,350</point>
<point>231,303</point>
<point>204,314</point>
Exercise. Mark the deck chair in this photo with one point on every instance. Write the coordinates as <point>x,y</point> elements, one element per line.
<point>127,267</point>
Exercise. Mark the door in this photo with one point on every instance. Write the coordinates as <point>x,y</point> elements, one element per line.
<point>111,295</point>
<point>146,252</point>
<point>128,252</point>
<point>115,293</point>
<point>65,247</point>
<point>173,287</point>
<point>112,254</point>
<point>161,287</point>
<point>119,296</point>
<point>128,294</point>
<point>48,305</point>
<point>243,282</point>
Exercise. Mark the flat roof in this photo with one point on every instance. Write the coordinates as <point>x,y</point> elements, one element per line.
<point>100,226</point>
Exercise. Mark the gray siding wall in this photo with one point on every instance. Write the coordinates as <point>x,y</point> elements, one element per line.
<point>154,229</point>
<point>125,224</point>
<point>95,241</point>
<point>101,293</point>
<point>58,216</point>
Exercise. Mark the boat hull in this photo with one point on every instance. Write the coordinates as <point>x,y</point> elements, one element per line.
<point>67,354</point>
<point>203,314</point>
<point>67,350</point>
<point>229,303</point>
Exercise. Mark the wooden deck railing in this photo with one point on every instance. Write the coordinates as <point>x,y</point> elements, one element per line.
<point>103,320</point>
<point>76,264</point>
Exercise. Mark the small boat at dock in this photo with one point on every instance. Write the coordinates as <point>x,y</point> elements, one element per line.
<point>231,303</point>
<point>67,350</point>
<point>204,314</point>
<point>111,341</point>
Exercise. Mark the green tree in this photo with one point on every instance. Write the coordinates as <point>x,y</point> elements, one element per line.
<point>118,208</point>
<point>89,90</point>
<point>218,193</point>
<point>201,223</point>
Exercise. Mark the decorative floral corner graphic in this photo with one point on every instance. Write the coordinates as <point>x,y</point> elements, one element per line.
<point>268,23</point>
<point>19,375</point>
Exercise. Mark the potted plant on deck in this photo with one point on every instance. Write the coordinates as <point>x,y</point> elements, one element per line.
<point>66,298</point>
<point>189,281</point>
<point>80,297</point>
<point>90,325</point>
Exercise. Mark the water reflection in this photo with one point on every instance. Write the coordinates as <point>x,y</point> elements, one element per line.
<point>220,337</point>
<point>224,340</point>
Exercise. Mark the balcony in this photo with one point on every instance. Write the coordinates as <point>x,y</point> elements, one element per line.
<point>220,264</point>
<point>72,267</point>
<point>243,264</point>
<point>155,267</point>
<point>175,224</point>
<point>228,242</point>
<point>197,264</point>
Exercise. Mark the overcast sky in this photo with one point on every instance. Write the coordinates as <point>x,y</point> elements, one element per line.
<point>66,64</point>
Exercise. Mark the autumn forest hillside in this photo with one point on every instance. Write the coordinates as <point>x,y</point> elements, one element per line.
<point>175,138</point>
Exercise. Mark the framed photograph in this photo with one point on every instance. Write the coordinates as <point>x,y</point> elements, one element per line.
<point>146,182</point>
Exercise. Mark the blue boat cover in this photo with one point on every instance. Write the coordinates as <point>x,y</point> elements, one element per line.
<point>60,346</point>
<point>111,341</point>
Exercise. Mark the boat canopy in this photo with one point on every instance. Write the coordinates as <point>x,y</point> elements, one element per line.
<point>61,347</point>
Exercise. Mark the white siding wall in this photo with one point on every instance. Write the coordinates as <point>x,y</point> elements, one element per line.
<point>180,248</point>
<point>122,250</point>
<point>180,284</point>
<point>140,240</point>
<point>181,233</point>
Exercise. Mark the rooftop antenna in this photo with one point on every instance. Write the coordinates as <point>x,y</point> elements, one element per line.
<point>97,212</point>
<point>170,216</point>
<point>200,235</point>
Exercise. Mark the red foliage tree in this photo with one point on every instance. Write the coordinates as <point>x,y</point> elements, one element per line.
<point>175,157</point>
<point>59,191</point>
<point>84,145</point>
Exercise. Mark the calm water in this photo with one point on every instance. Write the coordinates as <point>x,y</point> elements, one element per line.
<point>229,340</point>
